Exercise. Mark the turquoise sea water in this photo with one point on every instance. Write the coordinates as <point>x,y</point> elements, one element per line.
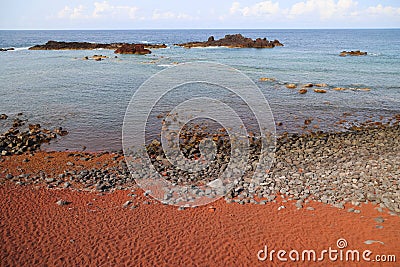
<point>89,98</point>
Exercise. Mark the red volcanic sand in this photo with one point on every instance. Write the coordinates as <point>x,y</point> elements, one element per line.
<point>96,230</point>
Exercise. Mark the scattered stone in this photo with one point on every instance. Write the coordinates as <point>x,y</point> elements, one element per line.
<point>3,117</point>
<point>321,91</point>
<point>266,79</point>
<point>62,202</point>
<point>281,208</point>
<point>126,204</point>
<point>369,242</point>
<point>302,91</point>
<point>310,208</point>
<point>379,220</point>
<point>321,85</point>
<point>350,210</point>
<point>379,226</point>
<point>291,86</point>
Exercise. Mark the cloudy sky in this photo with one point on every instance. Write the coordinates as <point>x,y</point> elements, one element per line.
<point>187,14</point>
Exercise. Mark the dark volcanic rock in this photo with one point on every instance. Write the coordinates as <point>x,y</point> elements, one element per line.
<point>55,45</point>
<point>234,41</point>
<point>352,53</point>
<point>6,49</point>
<point>17,140</point>
<point>137,49</point>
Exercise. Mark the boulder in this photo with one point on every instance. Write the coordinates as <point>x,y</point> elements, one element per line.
<point>321,91</point>
<point>321,85</point>
<point>352,53</point>
<point>291,86</point>
<point>266,79</point>
<point>302,91</point>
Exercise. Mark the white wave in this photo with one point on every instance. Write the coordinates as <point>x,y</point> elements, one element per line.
<point>208,47</point>
<point>17,48</point>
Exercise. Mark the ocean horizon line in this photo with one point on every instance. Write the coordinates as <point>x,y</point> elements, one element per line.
<point>200,29</point>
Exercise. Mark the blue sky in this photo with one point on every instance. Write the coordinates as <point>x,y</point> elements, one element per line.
<point>187,14</point>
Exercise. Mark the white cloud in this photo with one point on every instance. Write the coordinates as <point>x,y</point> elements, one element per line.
<point>319,9</point>
<point>325,9</point>
<point>104,9</point>
<point>381,10</point>
<point>72,13</point>
<point>157,15</point>
<point>100,10</point>
<point>258,9</point>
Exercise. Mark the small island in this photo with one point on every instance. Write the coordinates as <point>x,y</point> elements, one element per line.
<point>234,41</point>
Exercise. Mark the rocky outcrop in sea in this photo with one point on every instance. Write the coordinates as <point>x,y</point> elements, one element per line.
<point>234,41</point>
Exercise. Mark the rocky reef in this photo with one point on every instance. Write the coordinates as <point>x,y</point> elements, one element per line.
<point>54,45</point>
<point>234,41</point>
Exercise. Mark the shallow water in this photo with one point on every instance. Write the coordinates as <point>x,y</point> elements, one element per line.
<point>89,98</point>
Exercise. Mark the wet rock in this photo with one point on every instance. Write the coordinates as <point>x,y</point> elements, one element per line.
<point>352,53</point>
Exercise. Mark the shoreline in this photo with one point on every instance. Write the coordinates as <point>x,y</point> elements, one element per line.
<point>79,208</point>
<point>358,166</point>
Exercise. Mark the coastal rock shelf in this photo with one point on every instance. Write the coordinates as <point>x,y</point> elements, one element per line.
<point>122,48</point>
<point>234,41</point>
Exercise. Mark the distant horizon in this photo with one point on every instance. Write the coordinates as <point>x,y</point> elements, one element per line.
<point>189,29</point>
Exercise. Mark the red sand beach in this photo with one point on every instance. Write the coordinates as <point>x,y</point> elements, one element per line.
<point>94,229</point>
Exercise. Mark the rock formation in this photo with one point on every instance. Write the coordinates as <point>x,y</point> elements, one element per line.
<point>352,53</point>
<point>234,41</point>
<point>54,45</point>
